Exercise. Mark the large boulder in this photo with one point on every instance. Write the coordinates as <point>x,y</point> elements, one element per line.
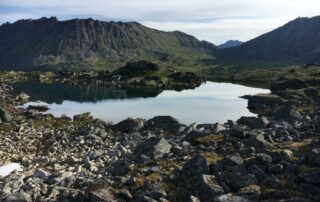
<point>287,113</point>
<point>166,123</point>
<point>197,182</point>
<point>130,125</point>
<point>197,165</point>
<point>253,122</point>
<point>264,103</point>
<point>4,115</point>
<point>154,147</point>
<point>258,142</point>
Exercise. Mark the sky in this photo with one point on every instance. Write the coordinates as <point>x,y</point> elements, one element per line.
<point>215,21</point>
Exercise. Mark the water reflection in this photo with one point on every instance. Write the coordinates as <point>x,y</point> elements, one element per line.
<point>58,92</point>
<point>209,103</point>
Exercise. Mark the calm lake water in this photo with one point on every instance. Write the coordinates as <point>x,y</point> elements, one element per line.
<point>211,102</point>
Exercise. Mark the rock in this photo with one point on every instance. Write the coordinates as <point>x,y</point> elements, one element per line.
<point>120,168</point>
<point>40,173</point>
<point>39,108</point>
<point>264,159</point>
<point>19,196</point>
<point>287,113</point>
<point>4,115</point>
<point>272,182</point>
<point>264,103</point>
<point>99,194</point>
<point>233,160</point>
<point>239,182</point>
<point>276,168</point>
<point>247,151</point>
<point>166,123</point>
<point>22,97</point>
<point>258,142</point>
<point>130,125</point>
<point>206,188</point>
<point>230,198</point>
<point>154,147</point>
<point>257,172</point>
<point>293,84</point>
<point>311,175</point>
<point>238,132</point>
<point>218,128</point>
<point>125,194</point>
<point>253,122</point>
<point>81,117</point>
<point>195,166</point>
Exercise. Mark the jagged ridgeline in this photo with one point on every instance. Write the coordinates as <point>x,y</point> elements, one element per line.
<point>47,43</point>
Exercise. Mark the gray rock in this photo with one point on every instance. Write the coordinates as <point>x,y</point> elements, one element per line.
<point>218,128</point>
<point>253,122</point>
<point>154,147</point>
<point>230,198</point>
<point>287,113</point>
<point>311,175</point>
<point>120,168</point>
<point>4,115</point>
<point>166,123</point>
<point>22,97</point>
<point>258,142</point>
<point>40,173</point>
<point>130,125</point>
<point>272,181</point>
<point>247,151</point>
<point>233,160</point>
<point>264,158</point>
<point>238,132</point>
<point>195,166</point>
<point>206,188</point>
<point>19,196</point>
<point>239,182</point>
<point>105,194</point>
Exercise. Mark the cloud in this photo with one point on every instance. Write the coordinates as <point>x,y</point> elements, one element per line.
<point>211,20</point>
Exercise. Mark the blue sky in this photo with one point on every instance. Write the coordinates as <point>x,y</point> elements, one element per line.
<point>212,20</point>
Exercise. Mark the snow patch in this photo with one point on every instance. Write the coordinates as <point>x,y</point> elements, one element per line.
<point>6,170</point>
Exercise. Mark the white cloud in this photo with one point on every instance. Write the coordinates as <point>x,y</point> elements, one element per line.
<point>212,20</point>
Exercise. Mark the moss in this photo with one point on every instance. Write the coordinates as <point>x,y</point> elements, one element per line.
<point>211,138</point>
<point>211,157</point>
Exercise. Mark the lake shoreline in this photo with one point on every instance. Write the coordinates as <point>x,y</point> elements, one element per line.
<point>271,157</point>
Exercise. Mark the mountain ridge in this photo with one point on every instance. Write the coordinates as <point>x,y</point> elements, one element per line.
<point>28,44</point>
<point>296,42</point>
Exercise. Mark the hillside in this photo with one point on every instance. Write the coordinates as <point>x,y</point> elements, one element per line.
<point>86,43</point>
<point>297,42</point>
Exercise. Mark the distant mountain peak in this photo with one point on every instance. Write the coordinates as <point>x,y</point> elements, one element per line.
<point>230,44</point>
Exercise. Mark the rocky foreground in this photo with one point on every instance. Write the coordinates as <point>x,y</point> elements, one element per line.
<point>275,157</point>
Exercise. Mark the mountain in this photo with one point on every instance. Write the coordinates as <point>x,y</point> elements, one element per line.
<point>87,43</point>
<point>296,42</point>
<point>230,44</point>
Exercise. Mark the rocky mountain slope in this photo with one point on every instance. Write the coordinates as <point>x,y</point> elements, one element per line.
<point>296,42</point>
<point>84,43</point>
